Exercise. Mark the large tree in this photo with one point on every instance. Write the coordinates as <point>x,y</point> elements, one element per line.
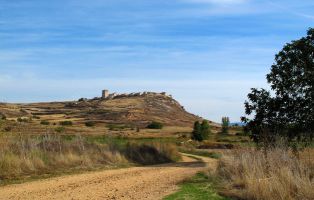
<point>288,109</point>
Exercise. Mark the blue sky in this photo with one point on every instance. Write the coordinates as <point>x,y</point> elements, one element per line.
<point>206,53</point>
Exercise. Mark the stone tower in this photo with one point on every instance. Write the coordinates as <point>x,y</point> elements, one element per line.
<point>105,94</point>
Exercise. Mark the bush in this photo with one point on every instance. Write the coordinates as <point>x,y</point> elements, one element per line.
<point>66,123</point>
<point>201,131</point>
<point>155,125</point>
<point>45,122</point>
<point>90,124</point>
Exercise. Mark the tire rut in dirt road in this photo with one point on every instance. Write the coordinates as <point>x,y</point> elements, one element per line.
<point>151,182</point>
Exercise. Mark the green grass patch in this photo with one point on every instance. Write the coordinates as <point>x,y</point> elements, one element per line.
<point>200,187</point>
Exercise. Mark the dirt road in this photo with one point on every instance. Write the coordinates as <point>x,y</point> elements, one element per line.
<point>152,182</point>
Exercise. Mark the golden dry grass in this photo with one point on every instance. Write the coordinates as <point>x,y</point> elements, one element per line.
<point>25,155</point>
<point>252,174</point>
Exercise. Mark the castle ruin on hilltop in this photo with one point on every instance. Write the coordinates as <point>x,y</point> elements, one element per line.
<point>106,94</point>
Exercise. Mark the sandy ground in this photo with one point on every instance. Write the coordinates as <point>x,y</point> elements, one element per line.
<point>151,182</point>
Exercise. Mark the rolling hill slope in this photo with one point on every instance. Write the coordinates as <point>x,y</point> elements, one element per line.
<point>136,109</point>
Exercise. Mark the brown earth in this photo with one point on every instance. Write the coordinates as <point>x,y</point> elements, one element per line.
<point>151,182</point>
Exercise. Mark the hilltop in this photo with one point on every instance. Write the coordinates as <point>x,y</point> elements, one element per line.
<point>134,109</point>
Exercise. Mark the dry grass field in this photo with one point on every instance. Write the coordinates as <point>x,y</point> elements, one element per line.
<point>275,174</point>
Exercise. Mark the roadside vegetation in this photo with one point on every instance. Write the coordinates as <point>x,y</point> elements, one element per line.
<point>200,187</point>
<point>275,174</point>
<point>281,123</point>
<point>25,156</point>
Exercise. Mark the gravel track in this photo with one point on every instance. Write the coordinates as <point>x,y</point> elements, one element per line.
<point>151,182</point>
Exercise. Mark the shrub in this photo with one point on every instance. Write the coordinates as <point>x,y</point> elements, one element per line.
<point>90,124</point>
<point>44,122</point>
<point>155,125</point>
<point>201,131</point>
<point>66,123</point>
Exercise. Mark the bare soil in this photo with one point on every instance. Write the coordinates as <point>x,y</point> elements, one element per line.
<point>151,182</point>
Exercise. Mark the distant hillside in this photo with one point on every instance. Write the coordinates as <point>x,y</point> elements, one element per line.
<point>137,108</point>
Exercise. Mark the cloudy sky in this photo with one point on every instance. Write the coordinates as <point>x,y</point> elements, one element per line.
<point>206,53</point>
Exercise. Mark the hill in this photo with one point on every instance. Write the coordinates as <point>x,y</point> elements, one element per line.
<point>138,109</point>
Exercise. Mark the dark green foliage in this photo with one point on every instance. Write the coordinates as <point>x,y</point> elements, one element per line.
<point>90,124</point>
<point>44,122</point>
<point>205,130</point>
<point>289,113</point>
<point>155,125</point>
<point>201,131</point>
<point>196,134</point>
<point>66,123</point>
<point>225,125</point>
